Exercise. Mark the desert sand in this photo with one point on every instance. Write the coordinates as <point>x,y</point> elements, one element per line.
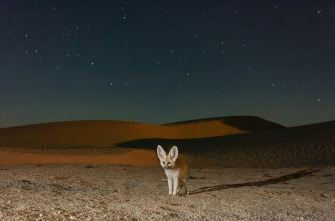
<point>241,168</point>
<point>111,192</point>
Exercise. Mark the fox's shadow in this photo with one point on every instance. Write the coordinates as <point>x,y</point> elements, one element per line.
<point>276,180</point>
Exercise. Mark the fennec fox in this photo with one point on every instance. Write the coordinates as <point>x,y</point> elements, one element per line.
<point>176,169</point>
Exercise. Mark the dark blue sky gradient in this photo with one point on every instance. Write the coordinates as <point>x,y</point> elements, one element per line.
<point>166,61</point>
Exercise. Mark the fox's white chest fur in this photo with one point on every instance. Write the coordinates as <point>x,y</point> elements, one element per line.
<point>176,169</point>
<point>172,173</point>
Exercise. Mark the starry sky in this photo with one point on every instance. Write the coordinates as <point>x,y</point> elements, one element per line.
<point>162,61</point>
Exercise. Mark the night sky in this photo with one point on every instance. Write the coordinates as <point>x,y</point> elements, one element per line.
<point>166,61</point>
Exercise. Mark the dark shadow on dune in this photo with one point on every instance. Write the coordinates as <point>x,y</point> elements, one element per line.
<point>210,144</point>
<point>251,123</point>
<point>311,136</point>
<point>246,123</point>
<point>276,180</point>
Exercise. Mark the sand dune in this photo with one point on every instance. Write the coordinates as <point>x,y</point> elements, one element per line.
<point>94,142</point>
<point>109,133</point>
<point>227,142</point>
<point>100,134</point>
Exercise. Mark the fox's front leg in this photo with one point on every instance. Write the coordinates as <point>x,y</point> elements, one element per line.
<point>175,186</point>
<point>170,186</point>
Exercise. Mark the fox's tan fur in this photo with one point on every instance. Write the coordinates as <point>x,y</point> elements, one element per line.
<point>176,169</point>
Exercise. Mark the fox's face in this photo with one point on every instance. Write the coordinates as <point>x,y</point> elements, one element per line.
<point>167,161</point>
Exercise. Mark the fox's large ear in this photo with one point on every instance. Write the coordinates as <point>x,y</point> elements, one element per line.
<point>160,152</point>
<point>173,154</point>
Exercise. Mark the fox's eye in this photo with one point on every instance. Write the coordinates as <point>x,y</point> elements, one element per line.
<point>163,162</point>
<point>169,163</point>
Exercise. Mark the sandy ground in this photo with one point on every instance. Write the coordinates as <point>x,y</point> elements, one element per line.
<point>107,192</point>
<point>123,156</point>
<point>77,171</point>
